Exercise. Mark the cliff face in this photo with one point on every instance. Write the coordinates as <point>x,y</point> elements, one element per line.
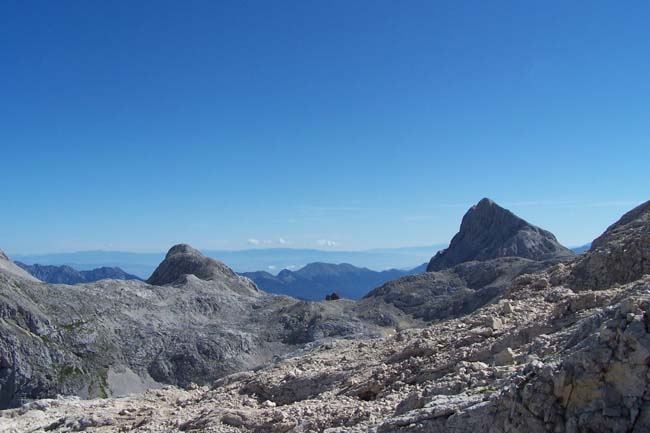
<point>489,231</point>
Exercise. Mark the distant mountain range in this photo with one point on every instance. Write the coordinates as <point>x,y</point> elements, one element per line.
<point>304,273</point>
<point>317,280</point>
<point>271,260</point>
<point>581,248</point>
<point>67,275</point>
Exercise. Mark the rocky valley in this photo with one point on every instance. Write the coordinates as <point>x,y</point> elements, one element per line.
<point>508,331</point>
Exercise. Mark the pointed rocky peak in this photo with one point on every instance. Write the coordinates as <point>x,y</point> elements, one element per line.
<point>183,260</point>
<point>488,231</point>
<point>620,255</point>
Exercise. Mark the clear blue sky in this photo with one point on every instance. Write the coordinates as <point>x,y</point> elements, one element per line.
<point>353,124</point>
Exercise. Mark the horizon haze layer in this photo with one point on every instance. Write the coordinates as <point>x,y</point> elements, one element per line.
<point>271,260</point>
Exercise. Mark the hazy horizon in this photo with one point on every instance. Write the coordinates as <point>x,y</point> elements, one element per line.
<point>281,243</point>
<point>271,260</point>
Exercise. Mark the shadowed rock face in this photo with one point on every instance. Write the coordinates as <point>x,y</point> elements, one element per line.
<point>620,255</point>
<point>489,231</point>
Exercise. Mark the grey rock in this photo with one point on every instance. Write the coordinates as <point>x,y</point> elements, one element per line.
<point>182,260</point>
<point>452,292</point>
<point>505,357</point>
<point>620,255</point>
<point>9,267</point>
<point>488,231</point>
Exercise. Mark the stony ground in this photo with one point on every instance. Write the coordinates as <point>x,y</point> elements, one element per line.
<point>542,358</point>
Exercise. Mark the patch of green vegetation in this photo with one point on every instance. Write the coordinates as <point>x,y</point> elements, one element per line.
<point>98,388</point>
<point>72,326</point>
<point>67,372</point>
<point>47,340</point>
<point>103,384</point>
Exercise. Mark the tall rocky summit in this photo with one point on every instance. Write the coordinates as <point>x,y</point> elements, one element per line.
<point>489,231</point>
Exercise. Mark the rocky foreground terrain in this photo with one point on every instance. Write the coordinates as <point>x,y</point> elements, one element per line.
<point>563,349</point>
